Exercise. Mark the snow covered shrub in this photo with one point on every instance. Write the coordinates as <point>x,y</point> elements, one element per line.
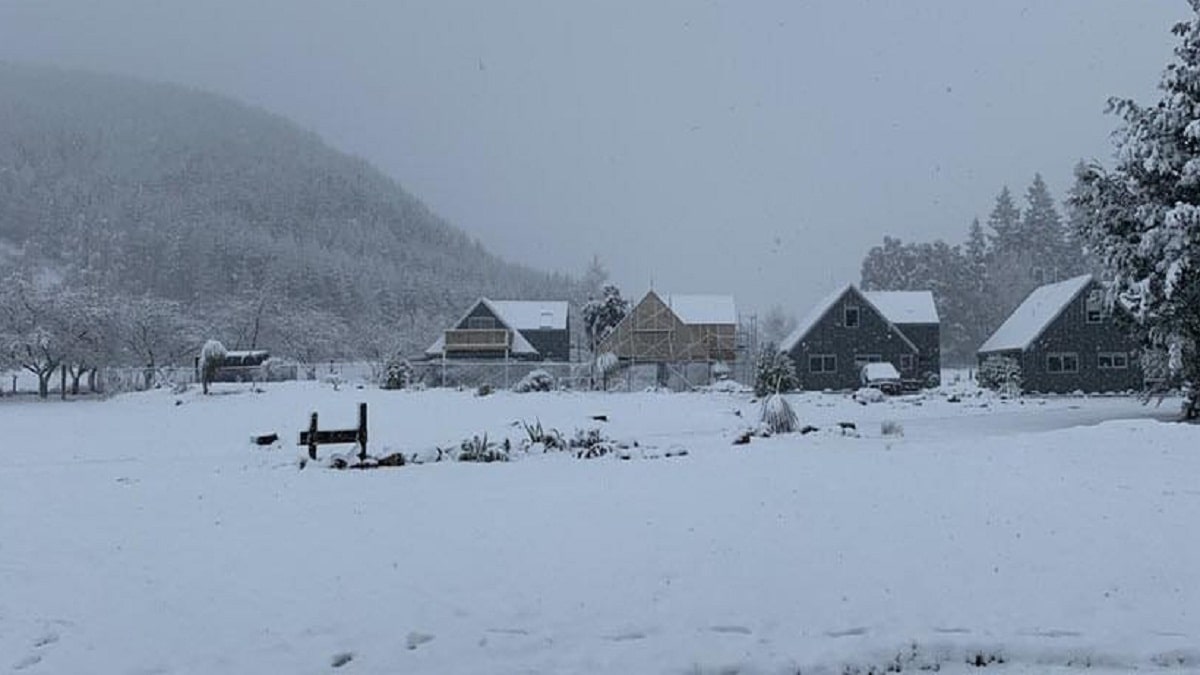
<point>212,355</point>
<point>1000,373</point>
<point>591,443</point>
<point>276,369</point>
<point>774,372</point>
<point>606,364</point>
<point>869,395</point>
<point>777,415</point>
<point>484,389</point>
<point>891,428</point>
<point>397,373</point>
<point>721,371</point>
<point>537,380</point>
<point>537,437</point>
<point>480,449</point>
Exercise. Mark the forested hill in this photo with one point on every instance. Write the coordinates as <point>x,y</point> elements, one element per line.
<point>250,223</point>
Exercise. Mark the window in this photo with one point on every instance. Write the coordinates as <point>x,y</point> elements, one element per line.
<point>1095,307</point>
<point>822,363</point>
<point>850,316</point>
<point>861,360</point>
<point>906,362</point>
<point>1112,360</point>
<point>481,322</point>
<point>1062,362</point>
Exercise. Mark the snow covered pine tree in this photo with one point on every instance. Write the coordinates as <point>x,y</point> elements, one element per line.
<point>1143,218</point>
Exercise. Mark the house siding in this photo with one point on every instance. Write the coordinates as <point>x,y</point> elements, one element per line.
<point>928,338</point>
<point>552,344</point>
<point>873,335</point>
<point>1071,333</point>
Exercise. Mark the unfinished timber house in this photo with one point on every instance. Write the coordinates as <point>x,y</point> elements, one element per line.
<point>686,338</point>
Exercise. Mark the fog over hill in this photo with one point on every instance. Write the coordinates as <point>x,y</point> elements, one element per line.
<point>253,225</point>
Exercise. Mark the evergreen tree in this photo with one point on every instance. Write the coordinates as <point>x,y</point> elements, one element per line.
<point>1005,222</point>
<point>775,372</point>
<point>1044,237</point>
<point>601,315</point>
<point>976,248</point>
<point>1143,218</point>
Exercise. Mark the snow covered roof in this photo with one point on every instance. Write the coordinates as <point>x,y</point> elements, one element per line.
<point>826,303</point>
<point>1032,317</point>
<point>532,314</point>
<point>245,353</point>
<point>519,344</point>
<point>702,309</point>
<point>814,315</point>
<point>904,306</point>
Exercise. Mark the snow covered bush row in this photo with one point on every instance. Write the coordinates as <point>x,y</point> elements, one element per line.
<point>536,380</point>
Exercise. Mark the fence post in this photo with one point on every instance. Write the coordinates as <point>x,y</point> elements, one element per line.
<point>312,437</point>
<point>362,432</point>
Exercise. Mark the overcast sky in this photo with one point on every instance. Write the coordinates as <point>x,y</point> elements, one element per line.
<point>755,148</point>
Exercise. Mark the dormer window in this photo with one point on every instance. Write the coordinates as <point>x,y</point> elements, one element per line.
<point>1094,309</point>
<point>850,316</point>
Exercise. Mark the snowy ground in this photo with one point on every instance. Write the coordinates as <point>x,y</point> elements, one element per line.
<point>143,534</point>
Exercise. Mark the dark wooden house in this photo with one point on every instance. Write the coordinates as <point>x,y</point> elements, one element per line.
<point>915,314</point>
<point>1065,338</point>
<point>531,330</point>
<point>849,329</point>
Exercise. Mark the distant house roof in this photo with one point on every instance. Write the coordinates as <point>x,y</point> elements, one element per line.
<point>530,313</point>
<point>702,309</point>
<point>533,314</point>
<point>819,310</point>
<point>904,306</point>
<point>246,353</point>
<point>1035,314</point>
<point>814,315</point>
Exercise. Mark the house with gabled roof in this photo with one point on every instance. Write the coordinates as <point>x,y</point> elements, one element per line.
<point>532,330</point>
<point>1066,337</point>
<point>915,314</point>
<point>848,329</point>
<point>671,328</point>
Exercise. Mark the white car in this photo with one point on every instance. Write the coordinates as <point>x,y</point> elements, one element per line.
<point>882,376</point>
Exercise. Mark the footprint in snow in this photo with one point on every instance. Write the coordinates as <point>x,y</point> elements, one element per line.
<point>627,636</point>
<point>848,632</point>
<point>47,639</point>
<point>31,660</point>
<point>731,630</point>
<point>416,639</point>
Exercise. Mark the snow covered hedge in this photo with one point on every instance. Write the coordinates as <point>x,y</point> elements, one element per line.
<point>1000,373</point>
<point>536,380</point>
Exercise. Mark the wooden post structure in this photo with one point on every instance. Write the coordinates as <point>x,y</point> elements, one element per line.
<point>362,431</point>
<point>312,437</point>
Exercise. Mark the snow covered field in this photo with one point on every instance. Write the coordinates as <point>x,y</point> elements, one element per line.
<point>143,534</point>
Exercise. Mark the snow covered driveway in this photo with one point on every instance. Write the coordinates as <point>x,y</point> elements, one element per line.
<point>138,535</point>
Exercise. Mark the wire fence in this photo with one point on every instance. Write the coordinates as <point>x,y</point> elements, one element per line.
<point>498,374</point>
